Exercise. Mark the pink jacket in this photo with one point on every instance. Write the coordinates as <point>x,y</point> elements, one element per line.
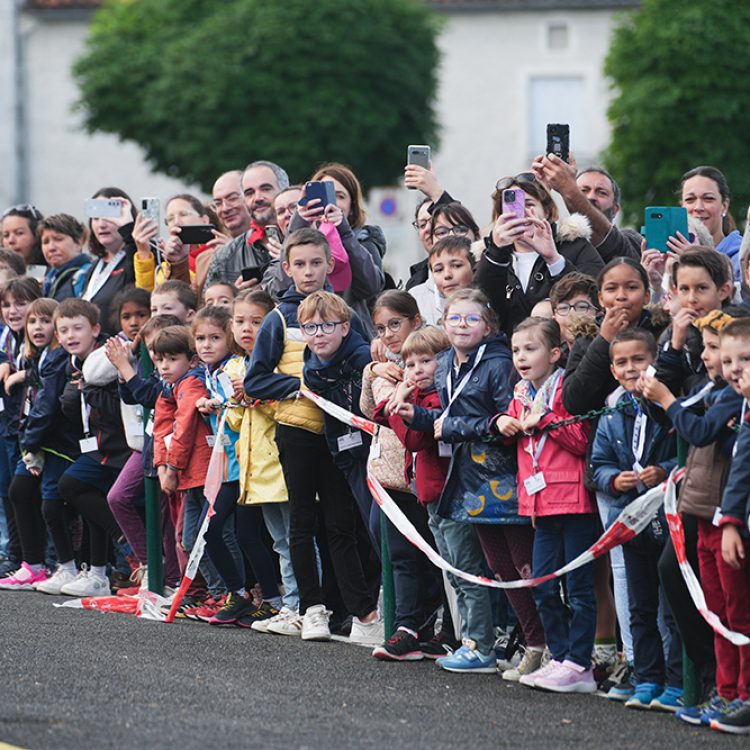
<point>562,461</point>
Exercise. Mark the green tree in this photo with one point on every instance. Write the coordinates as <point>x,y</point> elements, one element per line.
<point>206,86</point>
<point>682,75</point>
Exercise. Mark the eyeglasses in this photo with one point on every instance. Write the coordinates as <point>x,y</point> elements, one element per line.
<point>393,325</point>
<point>472,320</point>
<point>230,200</point>
<point>420,226</point>
<point>506,182</point>
<point>580,307</point>
<point>327,327</point>
<point>290,208</point>
<point>23,208</point>
<point>459,230</point>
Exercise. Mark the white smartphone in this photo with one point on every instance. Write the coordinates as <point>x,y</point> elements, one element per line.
<point>102,208</point>
<point>151,209</point>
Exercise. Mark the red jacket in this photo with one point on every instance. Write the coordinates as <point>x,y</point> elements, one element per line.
<point>188,451</point>
<point>431,469</point>
<point>562,461</point>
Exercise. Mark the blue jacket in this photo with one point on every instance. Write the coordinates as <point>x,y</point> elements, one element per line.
<point>68,280</point>
<point>13,403</point>
<point>735,503</point>
<point>44,425</point>
<point>340,380</point>
<point>262,381</point>
<point>478,470</point>
<point>612,452</point>
<point>730,246</point>
<point>215,389</point>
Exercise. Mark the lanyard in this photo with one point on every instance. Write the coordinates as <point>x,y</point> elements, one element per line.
<point>742,421</point>
<point>702,393</point>
<point>536,452</point>
<point>449,380</point>
<point>19,356</point>
<point>639,435</point>
<point>101,275</point>
<point>42,358</point>
<point>85,411</point>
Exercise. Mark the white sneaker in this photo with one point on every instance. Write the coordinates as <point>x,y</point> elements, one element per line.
<point>55,582</point>
<point>87,584</point>
<point>287,622</point>
<point>315,624</point>
<point>367,634</point>
<point>532,660</point>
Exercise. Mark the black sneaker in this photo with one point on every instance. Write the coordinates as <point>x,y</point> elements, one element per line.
<point>401,646</point>
<point>234,607</point>
<point>264,612</point>
<point>341,627</point>
<point>8,567</point>
<point>736,722</point>
<point>439,645</point>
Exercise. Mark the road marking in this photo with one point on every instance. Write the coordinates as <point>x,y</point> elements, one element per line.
<point>6,746</point>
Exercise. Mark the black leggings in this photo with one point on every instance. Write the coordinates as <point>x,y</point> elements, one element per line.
<point>58,516</point>
<point>25,495</point>
<point>92,505</point>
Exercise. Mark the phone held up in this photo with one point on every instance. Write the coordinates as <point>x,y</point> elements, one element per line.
<point>273,232</point>
<point>151,209</point>
<point>419,155</point>
<point>514,202</point>
<point>558,140</point>
<point>197,234</point>
<point>102,208</point>
<point>663,222</point>
<point>253,272</point>
<point>323,190</point>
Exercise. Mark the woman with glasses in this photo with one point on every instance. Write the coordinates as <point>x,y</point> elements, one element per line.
<point>18,232</point>
<point>525,256</point>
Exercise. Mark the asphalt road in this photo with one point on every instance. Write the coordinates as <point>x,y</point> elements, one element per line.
<point>79,679</point>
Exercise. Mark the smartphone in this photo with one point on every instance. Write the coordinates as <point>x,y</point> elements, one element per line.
<point>102,208</point>
<point>663,222</point>
<point>197,234</point>
<point>323,190</point>
<point>252,273</point>
<point>558,140</point>
<point>419,155</point>
<point>273,232</point>
<point>514,202</point>
<point>151,209</point>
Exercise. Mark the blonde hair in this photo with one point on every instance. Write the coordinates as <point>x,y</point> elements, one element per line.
<point>44,307</point>
<point>427,340</point>
<point>478,298</point>
<point>329,306</point>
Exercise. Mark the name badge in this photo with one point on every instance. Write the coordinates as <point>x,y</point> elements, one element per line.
<point>211,440</point>
<point>88,445</point>
<point>2,405</point>
<point>445,450</point>
<point>349,441</point>
<point>150,424</point>
<point>375,450</point>
<point>226,384</point>
<point>168,440</point>
<point>535,483</point>
<point>26,408</point>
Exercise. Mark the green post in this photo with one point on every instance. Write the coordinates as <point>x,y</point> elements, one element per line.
<point>692,682</point>
<point>389,598</point>
<point>153,507</point>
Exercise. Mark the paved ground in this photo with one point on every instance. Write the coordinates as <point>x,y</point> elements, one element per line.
<point>78,679</point>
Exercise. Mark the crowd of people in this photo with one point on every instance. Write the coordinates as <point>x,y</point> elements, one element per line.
<point>530,379</point>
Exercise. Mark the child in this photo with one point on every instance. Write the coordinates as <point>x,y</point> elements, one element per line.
<point>48,449</point>
<point>573,296</point>
<point>12,265</point>
<point>132,309</point>
<point>551,471</point>
<point>219,294</point>
<point>174,298</point>
<point>473,381</point>
<point>212,330</point>
<point>452,267</point>
<point>261,478</point>
<point>95,413</point>
<point>634,449</point>
<point>275,372</point>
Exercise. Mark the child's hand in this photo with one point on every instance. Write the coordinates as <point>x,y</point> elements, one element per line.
<point>405,411</point>
<point>654,390</point>
<point>652,475</point>
<point>732,547</point>
<point>681,321</point>
<point>207,405</point>
<point>508,426</point>
<point>116,351</point>
<point>388,370</point>
<point>4,371</point>
<point>378,351</point>
<point>239,389</point>
<point>615,320</point>
<point>744,383</point>
<point>439,427</point>
<point>531,421</point>
<point>168,479</point>
<point>13,380</point>
<point>625,480</point>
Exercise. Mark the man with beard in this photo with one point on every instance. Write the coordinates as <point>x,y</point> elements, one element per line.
<point>595,194</point>
<point>248,252</point>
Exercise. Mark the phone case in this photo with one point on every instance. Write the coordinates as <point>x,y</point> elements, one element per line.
<point>102,208</point>
<point>150,209</point>
<point>323,191</point>
<point>516,206</point>
<point>419,155</point>
<point>558,140</point>
<point>197,234</point>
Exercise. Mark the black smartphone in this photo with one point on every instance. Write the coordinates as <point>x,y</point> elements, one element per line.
<point>558,140</point>
<point>322,190</point>
<point>252,273</point>
<point>275,232</point>
<point>197,234</point>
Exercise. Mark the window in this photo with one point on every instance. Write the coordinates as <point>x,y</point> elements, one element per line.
<point>557,36</point>
<point>555,99</point>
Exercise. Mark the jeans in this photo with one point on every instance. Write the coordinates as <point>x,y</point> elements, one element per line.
<point>558,540</point>
<point>10,542</point>
<point>276,517</point>
<point>458,543</point>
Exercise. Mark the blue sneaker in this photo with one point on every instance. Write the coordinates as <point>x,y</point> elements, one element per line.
<point>644,693</point>
<point>468,659</point>
<point>670,700</point>
<point>714,708</point>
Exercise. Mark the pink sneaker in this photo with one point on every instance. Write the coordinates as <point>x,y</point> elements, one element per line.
<point>530,679</point>
<point>568,677</point>
<point>23,579</point>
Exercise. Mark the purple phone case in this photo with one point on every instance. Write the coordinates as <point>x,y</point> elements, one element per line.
<point>518,206</point>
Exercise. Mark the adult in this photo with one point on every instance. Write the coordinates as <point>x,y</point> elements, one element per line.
<point>260,182</point>
<point>284,206</point>
<point>705,193</point>
<point>594,194</point>
<point>524,257</point>
<point>229,203</point>
<point>112,245</point>
<point>18,231</point>
<point>62,238</point>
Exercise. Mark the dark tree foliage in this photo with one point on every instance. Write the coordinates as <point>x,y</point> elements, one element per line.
<point>206,86</point>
